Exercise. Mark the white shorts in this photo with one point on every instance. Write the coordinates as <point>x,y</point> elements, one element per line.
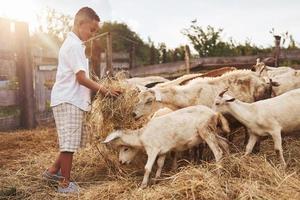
<point>69,125</point>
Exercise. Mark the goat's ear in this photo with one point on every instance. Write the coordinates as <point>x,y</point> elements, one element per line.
<point>275,84</point>
<point>151,85</point>
<point>157,94</point>
<point>114,135</point>
<point>230,100</point>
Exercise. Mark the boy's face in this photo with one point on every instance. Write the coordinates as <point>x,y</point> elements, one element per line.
<point>87,29</point>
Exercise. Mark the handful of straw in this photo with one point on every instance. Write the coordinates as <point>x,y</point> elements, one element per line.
<point>109,113</point>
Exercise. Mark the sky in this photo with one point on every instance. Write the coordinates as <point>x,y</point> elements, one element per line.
<point>164,20</point>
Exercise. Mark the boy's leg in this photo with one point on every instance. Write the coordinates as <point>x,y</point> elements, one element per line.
<point>68,119</point>
<point>66,165</point>
<point>63,163</point>
<point>56,166</point>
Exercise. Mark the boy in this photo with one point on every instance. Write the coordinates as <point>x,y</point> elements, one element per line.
<point>70,97</point>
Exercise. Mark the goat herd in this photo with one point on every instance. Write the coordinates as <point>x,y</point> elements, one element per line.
<point>203,108</point>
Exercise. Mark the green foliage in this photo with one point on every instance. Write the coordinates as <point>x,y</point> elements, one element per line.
<point>208,42</point>
<point>248,49</point>
<point>287,40</point>
<point>52,30</point>
<point>55,24</point>
<point>124,39</point>
<point>170,55</point>
<point>146,53</point>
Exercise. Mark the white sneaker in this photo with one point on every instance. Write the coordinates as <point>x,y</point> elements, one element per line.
<point>72,188</point>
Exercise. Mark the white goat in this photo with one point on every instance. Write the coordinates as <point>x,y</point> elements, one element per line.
<point>266,117</point>
<point>243,84</point>
<point>286,77</point>
<point>287,81</point>
<point>176,131</point>
<point>265,70</point>
<point>127,154</point>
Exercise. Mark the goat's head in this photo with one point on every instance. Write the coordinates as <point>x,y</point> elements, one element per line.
<point>260,68</point>
<point>264,90</point>
<point>144,107</point>
<point>127,154</point>
<point>221,101</point>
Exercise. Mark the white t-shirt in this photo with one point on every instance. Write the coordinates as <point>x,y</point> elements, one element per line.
<point>71,59</point>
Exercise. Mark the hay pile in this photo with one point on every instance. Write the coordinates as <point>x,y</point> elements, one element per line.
<point>25,154</point>
<point>110,113</point>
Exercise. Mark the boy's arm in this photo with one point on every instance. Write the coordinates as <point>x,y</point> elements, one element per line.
<point>94,86</point>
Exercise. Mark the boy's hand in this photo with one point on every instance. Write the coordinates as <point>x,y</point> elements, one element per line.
<point>112,92</point>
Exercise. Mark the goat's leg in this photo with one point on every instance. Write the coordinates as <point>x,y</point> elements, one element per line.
<point>212,142</point>
<point>256,147</point>
<point>194,154</point>
<point>276,135</point>
<point>246,139</point>
<point>251,142</point>
<point>215,149</point>
<point>200,152</point>
<point>160,163</point>
<point>174,162</point>
<point>151,159</point>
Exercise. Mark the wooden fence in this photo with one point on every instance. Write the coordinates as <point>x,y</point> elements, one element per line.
<point>26,78</point>
<point>175,69</point>
<point>121,62</point>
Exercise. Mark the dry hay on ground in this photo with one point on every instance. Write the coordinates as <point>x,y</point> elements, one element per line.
<point>25,154</point>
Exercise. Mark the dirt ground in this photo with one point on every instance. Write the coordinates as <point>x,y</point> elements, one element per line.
<point>25,154</point>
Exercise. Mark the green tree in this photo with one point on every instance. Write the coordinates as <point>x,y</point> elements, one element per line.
<point>162,52</point>
<point>52,30</point>
<point>54,23</point>
<point>124,38</point>
<point>207,42</point>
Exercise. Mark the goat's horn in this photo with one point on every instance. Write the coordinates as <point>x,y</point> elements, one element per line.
<point>257,61</point>
<point>223,92</point>
<point>262,69</point>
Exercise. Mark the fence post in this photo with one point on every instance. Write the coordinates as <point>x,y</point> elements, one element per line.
<point>187,58</point>
<point>25,75</point>
<point>277,49</point>
<point>96,58</point>
<point>109,68</point>
<point>132,57</point>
